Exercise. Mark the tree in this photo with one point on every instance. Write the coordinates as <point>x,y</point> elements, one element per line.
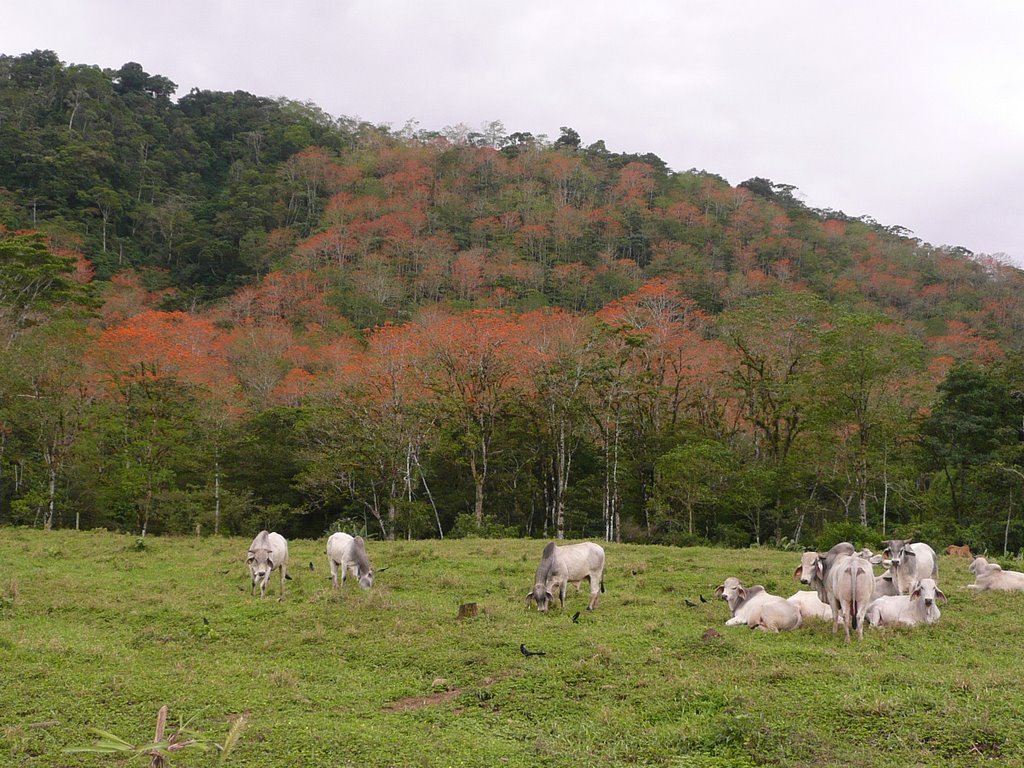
<point>569,139</point>
<point>473,362</point>
<point>47,399</point>
<point>865,394</point>
<point>36,282</point>
<point>973,418</point>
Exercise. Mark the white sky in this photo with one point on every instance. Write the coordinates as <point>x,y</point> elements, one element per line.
<point>911,112</point>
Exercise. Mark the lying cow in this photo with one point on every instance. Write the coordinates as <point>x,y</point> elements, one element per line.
<point>568,563</point>
<point>955,551</point>
<point>756,608</point>
<point>349,554</point>
<point>844,580</point>
<point>910,610</point>
<point>810,605</point>
<point>910,561</point>
<point>992,576</point>
<point>267,552</point>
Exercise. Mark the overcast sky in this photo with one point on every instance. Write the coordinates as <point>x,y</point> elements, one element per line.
<point>910,112</point>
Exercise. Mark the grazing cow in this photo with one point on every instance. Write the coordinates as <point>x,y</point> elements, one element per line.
<point>568,563</point>
<point>844,580</point>
<point>267,552</point>
<point>910,562</point>
<point>349,554</point>
<point>756,608</point>
<point>955,551</point>
<point>992,576</point>
<point>810,605</point>
<point>918,607</point>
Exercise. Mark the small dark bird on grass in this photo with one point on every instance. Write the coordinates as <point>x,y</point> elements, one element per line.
<point>311,565</point>
<point>690,603</point>
<point>206,621</point>
<point>702,598</point>
<point>522,649</point>
<point>576,618</point>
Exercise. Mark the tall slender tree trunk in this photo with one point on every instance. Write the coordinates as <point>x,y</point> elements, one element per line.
<point>216,497</point>
<point>52,500</point>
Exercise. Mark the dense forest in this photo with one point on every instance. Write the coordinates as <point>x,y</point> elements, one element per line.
<point>227,312</point>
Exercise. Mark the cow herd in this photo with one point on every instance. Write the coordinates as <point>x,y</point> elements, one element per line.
<point>843,586</point>
<point>845,589</point>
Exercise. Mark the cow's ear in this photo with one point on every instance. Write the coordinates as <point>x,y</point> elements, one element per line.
<point>938,593</point>
<point>798,572</point>
<point>908,552</point>
<point>719,590</point>
<point>549,596</point>
<point>250,558</point>
<point>742,592</point>
<point>915,592</point>
<point>270,564</point>
<point>875,559</point>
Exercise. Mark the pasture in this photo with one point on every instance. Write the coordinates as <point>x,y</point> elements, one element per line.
<point>96,630</point>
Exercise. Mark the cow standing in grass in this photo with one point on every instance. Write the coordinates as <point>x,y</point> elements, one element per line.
<point>560,565</point>
<point>267,552</point>
<point>843,579</point>
<point>910,561</point>
<point>348,553</point>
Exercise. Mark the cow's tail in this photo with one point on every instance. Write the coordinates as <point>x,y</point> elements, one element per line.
<point>602,585</point>
<point>853,595</point>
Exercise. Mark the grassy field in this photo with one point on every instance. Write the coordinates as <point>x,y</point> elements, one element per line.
<point>97,631</point>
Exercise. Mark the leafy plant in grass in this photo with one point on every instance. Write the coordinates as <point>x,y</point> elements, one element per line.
<point>162,747</point>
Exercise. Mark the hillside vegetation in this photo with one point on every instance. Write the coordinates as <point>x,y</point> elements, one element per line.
<point>98,630</point>
<point>228,312</point>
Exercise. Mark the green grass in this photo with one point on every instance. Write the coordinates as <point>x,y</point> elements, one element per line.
<point>97,632</point>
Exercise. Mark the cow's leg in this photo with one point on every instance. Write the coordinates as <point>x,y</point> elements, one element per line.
<point>595,593</point>
<point>334,572</point>
<point>561,594</point>
<point>284,575</point>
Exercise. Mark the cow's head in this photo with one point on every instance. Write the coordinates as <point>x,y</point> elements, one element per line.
<point>898,549</point>
<point>541,596</point>
<point>811,567</point>
<point>366,579</point>
<point>732,592</point>
<point>927,590</point>
<point>260,564</point>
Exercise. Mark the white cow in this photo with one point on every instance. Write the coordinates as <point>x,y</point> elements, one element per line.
<point>843,579</point>
<point>810,605</point>
<point>560,565</point>
<point>992,576</point>
<point>349,554</point>
<point>267,552</point>
<point>756,608</point>
<point>885,585</point>
<point>917,607</point>
<point>910,561</point>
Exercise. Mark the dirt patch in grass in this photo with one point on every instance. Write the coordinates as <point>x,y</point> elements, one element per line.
<point>411,703</point>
